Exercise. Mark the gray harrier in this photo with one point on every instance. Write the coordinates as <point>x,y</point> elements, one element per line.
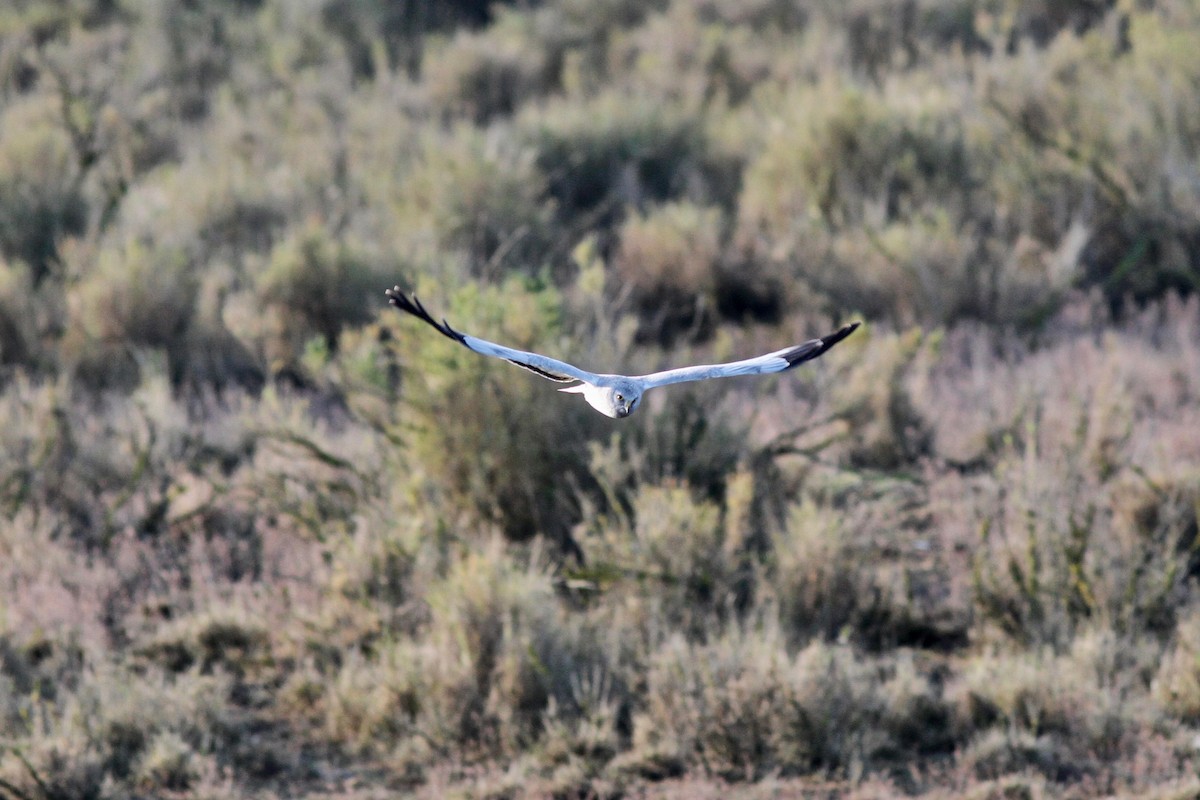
<point>618,396</point>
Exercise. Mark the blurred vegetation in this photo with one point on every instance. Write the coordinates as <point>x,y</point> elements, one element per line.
<point>260,536</point>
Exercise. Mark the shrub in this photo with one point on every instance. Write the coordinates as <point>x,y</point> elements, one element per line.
<point>18,316</point>
<point>41,202</point>
<point>111,727</point>
<point>673,549</point>
<point>760,15</point>
<point>668,261</point>
<point>224,641</point>
<point>93,486</point>
<point>319,285</point>
<point>578,35</point>
<point>374,703</point>
<point>1177,684</point>
<point>852,190</point>
<point>1135,231</point>
<point>888,430</point>
<point>715,705</point>
<point>136,295</point>
<point>830,721</point>
<point>471,461</point>
<point>846,565</point>
<point>365,28</point>
<point>1061,714</point>
<point>613,150</point>
<point>482,196</point>
<point>689,54</point>
<point>680,444</point>
<point>916,716</point>
<point>1056,551</point>
<point>817,579</point>
<point>952,563</point>
<point>168,763</point>
<point>741,708</point>
<point>490,74</point>
<point>843,158</point>
<point>505,654</point>
<point>197,54</point>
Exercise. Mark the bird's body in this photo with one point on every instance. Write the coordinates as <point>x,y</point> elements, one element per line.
<point>612,395</point>
<point>618,396</point>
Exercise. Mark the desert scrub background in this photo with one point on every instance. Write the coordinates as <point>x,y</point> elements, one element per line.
<point>261,537</point>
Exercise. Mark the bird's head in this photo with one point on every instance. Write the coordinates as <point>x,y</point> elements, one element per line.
<point>617,401</point>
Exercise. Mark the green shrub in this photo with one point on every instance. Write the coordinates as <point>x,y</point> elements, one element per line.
<point>830,718</point>
<point>847,565</point>
<point>960,563</point>
<point>197,54</point>
<point>760,15</point>
<point>90,486</point>
<point>505,652</point>
<point>613,150</point>
<point>854,189</point>
<point>818,584</point>
<point>18,317</point>
<point>682,443</point>
<point>668,260</point>
<point>482,196</point>
<point>137,295</point>
<point>319,285</point>
<point>1053,103</point>
<point>717,705</point>
<point>844,156</point>
<point>690,55</point>
<point>485,75</point>
<point>1041,22</point>
<point>888,429</point>
<point>41,202</point>
<point>380,35</point>
<point>373,704</point>
<point>917,717</point>
<point>578,34</point>
<point>471,461</point>
<point>673,549</point>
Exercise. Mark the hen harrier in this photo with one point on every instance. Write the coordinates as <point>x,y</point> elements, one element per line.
<point>617,396</point>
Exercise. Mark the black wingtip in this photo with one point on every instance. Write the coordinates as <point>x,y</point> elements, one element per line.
<point>816,347</point>
<point>833,338</point>
<point>411,305</point>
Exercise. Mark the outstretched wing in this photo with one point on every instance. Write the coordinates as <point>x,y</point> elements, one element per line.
<point>549,368</point>
<point>778,361</point>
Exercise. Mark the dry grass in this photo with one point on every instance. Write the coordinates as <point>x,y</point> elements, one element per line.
<point>261,537</point>
<point>1011,599</point>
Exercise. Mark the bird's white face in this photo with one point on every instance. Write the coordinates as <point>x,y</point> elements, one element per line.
<point>617,402</point>
<point>623,402</point>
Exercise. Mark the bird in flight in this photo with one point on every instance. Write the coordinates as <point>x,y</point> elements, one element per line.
<point>617,396</point>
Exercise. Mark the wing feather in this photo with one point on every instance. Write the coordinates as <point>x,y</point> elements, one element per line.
<point>546,367</point>
<point>778,361</point>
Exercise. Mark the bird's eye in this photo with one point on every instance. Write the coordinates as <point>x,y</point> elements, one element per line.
<point>620,399</point>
